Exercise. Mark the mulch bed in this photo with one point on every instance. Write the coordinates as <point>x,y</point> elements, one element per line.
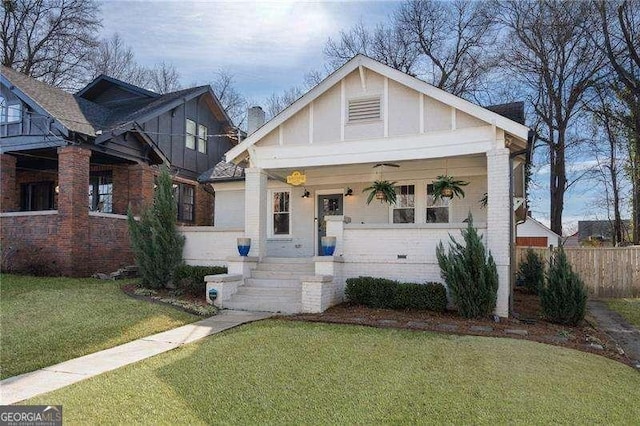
<point>130,290</point>
<point>527,324</point>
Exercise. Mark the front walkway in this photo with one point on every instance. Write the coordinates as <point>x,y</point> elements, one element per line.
<point>612,323</point>
<point>28,385</point>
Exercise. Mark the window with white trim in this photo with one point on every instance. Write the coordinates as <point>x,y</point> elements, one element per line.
<point>202,138</point>
<point>3,110</point>
<point>437,210</point>
<point>14,113</point>
<point>190,137</point>
<point>404,211</point>
<point>281,213</point>
<point>365,109</point>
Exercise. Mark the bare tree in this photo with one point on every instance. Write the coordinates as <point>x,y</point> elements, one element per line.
<point>548,51</point>
<point>233,102</point>
<point>390,45</point>
<point>49,39</point>
<point>162,78</point>
<point>278,102</point>
<point>620,23</point>
<point>116,59</point>
<point>455,41</point>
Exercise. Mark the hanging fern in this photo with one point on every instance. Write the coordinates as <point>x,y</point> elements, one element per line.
<point>386,188</point>
<point>446,183</point>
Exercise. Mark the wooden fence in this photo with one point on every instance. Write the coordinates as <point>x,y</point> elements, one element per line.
<point>607,272</point>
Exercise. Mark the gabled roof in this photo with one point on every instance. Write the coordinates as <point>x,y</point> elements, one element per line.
<point>75,114</point>
<point>222,172</point>
<point>105,80</point>
<point>513,127</point>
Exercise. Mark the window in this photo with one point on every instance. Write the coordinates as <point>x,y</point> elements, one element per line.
<point>437,211</point>
<point>202,139</point>
<point>3,110</point>
<point>101,192</point>
<point>404,209</point>
<point>364,109</point>
<point>36,196</point>
<point>281,213</point>
<point>14,113</point>
<point>190,140</point>
<point>185,199</point>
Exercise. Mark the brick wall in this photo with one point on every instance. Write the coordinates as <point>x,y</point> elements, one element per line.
<point>8,178</point>
<point>109,245</point>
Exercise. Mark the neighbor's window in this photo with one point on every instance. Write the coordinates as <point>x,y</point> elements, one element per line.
<point>190,140</point>
<point>404,210</point>
<point>184,195</point>
<point>14,113</point>
<point>202,139</point>
<point>101,192</point>
<point>281,213</point>
<point>36,196</point>
<point>437,211</point>
<point>3,110</point>
<point>364,109</point>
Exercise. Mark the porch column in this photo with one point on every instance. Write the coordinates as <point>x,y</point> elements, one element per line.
<point>73,209</point>
<point>255,210</point>
<point>9,191</point>
<point>498,236</point>
<point>141,178</point>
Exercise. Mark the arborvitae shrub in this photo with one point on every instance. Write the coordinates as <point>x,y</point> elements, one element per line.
<point>531,272</point>
<point>470,274</point>
<point>564,297</point>
<point>155,240</point>
<point>389,294</point>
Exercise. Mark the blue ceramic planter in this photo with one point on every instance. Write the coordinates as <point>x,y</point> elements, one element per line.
<point>328,245</point>
<point>244,245</point>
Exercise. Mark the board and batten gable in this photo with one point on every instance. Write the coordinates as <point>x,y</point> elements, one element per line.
<point>168,131</point>
<point>404,113</point>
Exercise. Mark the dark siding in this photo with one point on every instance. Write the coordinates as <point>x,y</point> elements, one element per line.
<point>168,132</point>
<point>113,94</point>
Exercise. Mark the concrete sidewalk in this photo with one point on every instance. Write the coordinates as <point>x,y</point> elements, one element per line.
<point>28,385</point>
<point>612,323</point>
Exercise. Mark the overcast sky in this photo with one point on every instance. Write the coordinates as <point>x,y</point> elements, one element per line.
<point>268,47</point>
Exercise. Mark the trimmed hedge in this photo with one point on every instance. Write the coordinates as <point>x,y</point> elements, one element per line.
<point>190,279</point>
<point>389,294</point>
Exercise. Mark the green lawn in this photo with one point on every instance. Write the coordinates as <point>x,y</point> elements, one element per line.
<point>281,372</point>
<point>44,321</point>
<point>628,308</point>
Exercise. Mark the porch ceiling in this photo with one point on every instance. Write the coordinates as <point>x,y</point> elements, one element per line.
<point>47,159</point>
<point>469,165</point>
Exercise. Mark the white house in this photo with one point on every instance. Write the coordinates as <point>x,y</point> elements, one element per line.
<point>304,175</point>
<point>532,233</point>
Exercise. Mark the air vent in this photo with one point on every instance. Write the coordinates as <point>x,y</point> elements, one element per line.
<point>364,109</point>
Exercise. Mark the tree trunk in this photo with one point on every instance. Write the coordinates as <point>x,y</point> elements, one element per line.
<point>558,182</point>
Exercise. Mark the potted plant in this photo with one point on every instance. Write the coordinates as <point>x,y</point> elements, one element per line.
<point>382,190</point>
<point>447,186</point>
<point>244,245</point>
<point>328,244</point>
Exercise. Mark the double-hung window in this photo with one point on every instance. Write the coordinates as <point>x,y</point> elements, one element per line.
<point>101,192</point>
<point>281,213</point>
<point>437,210</point>
<point>190,130</point>
<point>202,138</point>
<point>184,195</point>
<point>404,211</point>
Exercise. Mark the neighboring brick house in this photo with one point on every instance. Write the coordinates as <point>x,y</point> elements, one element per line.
<point>72,165</point>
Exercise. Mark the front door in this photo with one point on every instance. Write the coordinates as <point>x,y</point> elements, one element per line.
<point>328,205</point>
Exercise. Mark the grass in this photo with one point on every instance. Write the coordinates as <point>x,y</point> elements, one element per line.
<point>628,308</point>
<point>282,372</point>
<point>44,321</point>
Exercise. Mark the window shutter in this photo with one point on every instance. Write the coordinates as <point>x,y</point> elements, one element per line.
<point>364,109</point>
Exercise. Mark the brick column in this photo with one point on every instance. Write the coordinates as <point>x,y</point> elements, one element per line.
<point>73,209</point>
<point>498,236</point>
<point>203,206</point>
<point>120,189</point>
<point>141,180</point>
<point>255,211</point>
<point>9,202</point>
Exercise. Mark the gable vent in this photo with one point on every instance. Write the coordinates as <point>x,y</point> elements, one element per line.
<point>364,109</point>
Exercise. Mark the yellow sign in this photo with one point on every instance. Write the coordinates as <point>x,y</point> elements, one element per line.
<point>296,178</point>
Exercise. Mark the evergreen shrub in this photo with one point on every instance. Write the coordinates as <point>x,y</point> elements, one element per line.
<point>190,279</point>
<point>388,294</point>
<point>470,274</point>
<point>531,272</point>
<point>564,297</point>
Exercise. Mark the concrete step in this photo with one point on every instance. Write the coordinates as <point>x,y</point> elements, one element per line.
<point>285,275</point>
<point>270,292</point>
<point>308,268</point>
<point>272,282</point>
<point>287,260</point>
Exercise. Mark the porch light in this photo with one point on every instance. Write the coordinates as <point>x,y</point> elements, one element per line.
<point>57,189</point>
<point>305,194</point>
<point>349,192</point>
